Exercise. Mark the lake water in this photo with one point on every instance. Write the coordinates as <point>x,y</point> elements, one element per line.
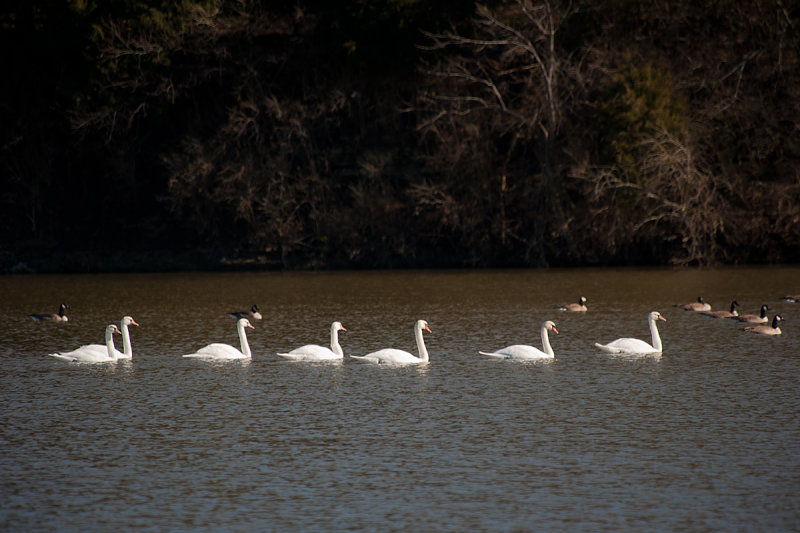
<point>705,437</point>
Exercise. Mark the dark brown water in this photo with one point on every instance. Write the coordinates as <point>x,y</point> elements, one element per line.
<point>705,437</point>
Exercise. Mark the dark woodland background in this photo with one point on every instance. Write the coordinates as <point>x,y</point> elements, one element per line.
<point>156,135</point>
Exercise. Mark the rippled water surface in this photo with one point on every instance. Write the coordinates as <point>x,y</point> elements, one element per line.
<point>705,437</point>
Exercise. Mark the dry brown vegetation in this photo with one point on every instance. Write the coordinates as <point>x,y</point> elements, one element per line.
<point>345,134</point>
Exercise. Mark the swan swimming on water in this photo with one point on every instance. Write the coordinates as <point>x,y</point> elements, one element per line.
<point>226,351</point>
<point>400,357</point>
<point>127,349</point>
<point>312,352</point>
<point>636,346</point>
<point>521,351</point>
<point>89,354</point>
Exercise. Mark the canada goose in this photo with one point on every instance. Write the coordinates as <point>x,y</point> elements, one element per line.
<point>792,298</point>
<point>699,305</point>
<point>755,319</point>
<point>252,314</point>
<point>53,317</point>
<point>767,330</point>
<point>579,307</point>
<point>733,313</point>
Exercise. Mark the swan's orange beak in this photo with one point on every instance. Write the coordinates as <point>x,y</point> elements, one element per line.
<point>251,326</point>
<point>428,329</point>
<point>662,318</point>
<point>555,330</point>
<point>344,328</point>
<point>134,323</point>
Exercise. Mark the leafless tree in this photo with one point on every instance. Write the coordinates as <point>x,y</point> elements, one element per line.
<point>499,94</point>
<point>674,199</point>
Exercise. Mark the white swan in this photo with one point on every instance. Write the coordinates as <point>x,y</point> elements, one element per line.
<point>226,351</point>
<point>636,346</point>
<point>127,349</point>
<point>400,357</point>
<point>522,351</point>
<point>61,316</point>
<point>312,352</point>
<point>88,354</point>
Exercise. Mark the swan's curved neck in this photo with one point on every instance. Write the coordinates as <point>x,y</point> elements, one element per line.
<point>335,348</point>
<point>546,342</point>
<point>112,350</point>
<point>243,340</point>
<point>655,335</point>
<point>423,352</point>
<point>126,340</point>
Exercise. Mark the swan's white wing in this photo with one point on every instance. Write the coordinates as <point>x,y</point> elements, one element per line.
<point>84,354</point>
<point>499,355</point>
<point>94,347</point>
<point>310,352</point>
<point>217,351</point>
<point>63,357</point>
<point>630,346</point>
<point>102,350</point>
<point>519,351</point>
<point>390,356</point>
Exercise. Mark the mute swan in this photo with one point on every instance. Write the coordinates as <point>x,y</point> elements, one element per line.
<point>127,350</point>
<point>521,351</point>
<point>636,346</point>
<point>767,330</point>
<point>53,317</point>
<point>252,314</point>
<point>225,351</point>
<point>733,313</point>
<point>87,354</point>
<point>579,307</point>
<point>760,318</point>
<point>312,352</point>
<point>699,305</point>
<point>400,357</point>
